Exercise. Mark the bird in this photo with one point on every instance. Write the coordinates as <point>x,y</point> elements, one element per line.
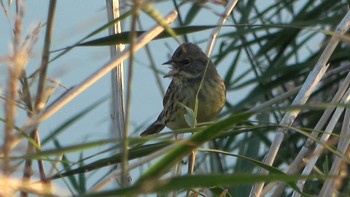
<point>188,65</point>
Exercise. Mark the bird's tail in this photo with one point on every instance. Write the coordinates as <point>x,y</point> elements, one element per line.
<point>155,127</point>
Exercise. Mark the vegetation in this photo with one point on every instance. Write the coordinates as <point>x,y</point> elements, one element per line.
<point>284,130</point>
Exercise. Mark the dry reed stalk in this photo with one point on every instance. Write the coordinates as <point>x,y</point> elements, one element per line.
<point>310,84</point>
<point>328,188</point>
<point>297,163</point>
<point>117,81</point>
<point>41,98</point>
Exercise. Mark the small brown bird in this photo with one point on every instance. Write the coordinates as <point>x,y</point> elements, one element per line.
<point>188,64</point>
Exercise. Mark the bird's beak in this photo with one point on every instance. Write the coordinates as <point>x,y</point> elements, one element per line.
<point>173,70</point>
<point>168,62</point>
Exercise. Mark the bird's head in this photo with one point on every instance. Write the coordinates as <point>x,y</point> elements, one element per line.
<point>188,62</point>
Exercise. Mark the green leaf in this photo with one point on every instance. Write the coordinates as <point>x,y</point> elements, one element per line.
<point>190,116</point>
<point>98,30</point>
<point>203,181</point>
<point>74,148</point>
<point>135,152</point>
<point>123,38</point>
<point>183,149</point>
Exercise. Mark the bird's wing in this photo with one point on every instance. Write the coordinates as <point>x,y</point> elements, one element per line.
<point>169,92</point>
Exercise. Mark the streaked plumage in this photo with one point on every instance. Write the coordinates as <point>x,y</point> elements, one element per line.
<point>187,69</point>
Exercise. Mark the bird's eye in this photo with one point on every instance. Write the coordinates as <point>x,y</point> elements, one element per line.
<point>186,61</point>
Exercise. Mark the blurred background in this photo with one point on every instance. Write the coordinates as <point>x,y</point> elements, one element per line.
<point>264,50</point>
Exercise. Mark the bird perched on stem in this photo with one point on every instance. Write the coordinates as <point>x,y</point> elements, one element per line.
<point>188,67</point>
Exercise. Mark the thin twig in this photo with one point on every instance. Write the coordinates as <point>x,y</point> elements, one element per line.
<point>40,96</point>
<point>125,141</point>
<point>229,7</point>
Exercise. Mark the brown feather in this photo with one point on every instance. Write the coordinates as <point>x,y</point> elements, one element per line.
<point>156,127</point>
<point>187,70</point>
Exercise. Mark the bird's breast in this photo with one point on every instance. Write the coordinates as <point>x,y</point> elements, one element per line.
<point>211,99</point>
